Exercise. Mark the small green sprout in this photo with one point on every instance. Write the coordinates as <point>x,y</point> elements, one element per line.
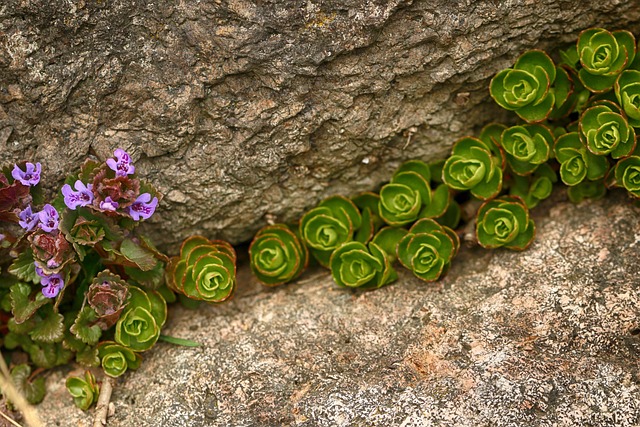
<point>85,391</point>
<point>117,359</point>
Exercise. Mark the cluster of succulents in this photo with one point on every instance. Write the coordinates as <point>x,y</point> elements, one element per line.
<point>579,120</point>
<point>77,281</point>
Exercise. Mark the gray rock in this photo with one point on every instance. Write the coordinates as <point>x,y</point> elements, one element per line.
<point>546,337</point>
<point>242,112</point>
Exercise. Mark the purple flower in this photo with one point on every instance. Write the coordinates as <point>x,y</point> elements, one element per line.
<point>48,218</point>
<point>28,218</point>
<point>109,205</point>
<point>30,177</point>
<point>143,207</point>
<point>51,283</point>
<point>122,164</point>
<point>81,197</point>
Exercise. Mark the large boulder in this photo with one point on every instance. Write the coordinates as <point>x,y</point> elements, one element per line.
<point>246,112</point>
<point>546,337</point>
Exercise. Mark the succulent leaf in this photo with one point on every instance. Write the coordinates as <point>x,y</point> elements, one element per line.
<point>277,255</point>
<point>627,90</point>
<point>85,391</point>
<point>116,359</point>
<point>356,265</point>
<point>504,222</point>
<point>604,131</point>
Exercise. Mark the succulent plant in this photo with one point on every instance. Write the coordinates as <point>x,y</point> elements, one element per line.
<point>409,196</point>
<point>369,205</point>
<point>472,167</point>
<point>603,56</point>
<point>277,256</point>
<point>332,223</point>
<point>576,162</point>
<point>138,328</point>
<point>85,391</point>
<point>205,270</point>
<point>504,222</point>
<point>587,190</point>
<point>627,89</point>
<point>627,175</point>
<point>116,359</point>
<point>108,296</point>
<point>387,238</point>
<point>427,249</point>
<point>526,147</point>
<point>535,187</point>
<point>526,88</point>
<point>356,265</point>
<point>604,130</point>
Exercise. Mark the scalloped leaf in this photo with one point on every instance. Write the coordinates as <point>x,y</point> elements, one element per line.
<point>23,303</point>
<point>85,327</point>
<point>143,258</point>
<point>24,268</point>
<point>50,327</point>
<point>33,391</point>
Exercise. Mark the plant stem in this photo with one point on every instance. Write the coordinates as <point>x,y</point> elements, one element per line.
<point>102,408</point>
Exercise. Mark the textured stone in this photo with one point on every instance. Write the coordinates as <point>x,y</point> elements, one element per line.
<point>546,337</point>
<point>244,111</point>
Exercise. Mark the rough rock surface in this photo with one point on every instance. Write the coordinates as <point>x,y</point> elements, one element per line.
<point>244,111</point>
<point>546,337</point>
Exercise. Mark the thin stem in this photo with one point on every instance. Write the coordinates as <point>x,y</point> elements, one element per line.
<point>11,420</point>
<point>102,408</point>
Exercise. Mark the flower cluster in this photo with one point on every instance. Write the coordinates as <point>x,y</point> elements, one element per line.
<point>82,273</point>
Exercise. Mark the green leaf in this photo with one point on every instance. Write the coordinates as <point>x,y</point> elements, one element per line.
<point>50,326</point>
<point>33,391</point>
<point>24,268</point>
<point>151,279</point>
<point>140,256</point>
<point>85,328</point>
<point>179,341</point>
<point>85,391</point>
<point>23,304</point>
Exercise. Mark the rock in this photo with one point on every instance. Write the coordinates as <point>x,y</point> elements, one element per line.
<point>546,337</point>
<point>243,111</point>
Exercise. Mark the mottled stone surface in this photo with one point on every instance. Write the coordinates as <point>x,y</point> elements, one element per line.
<point>242,111</point>
<point>547,337</point>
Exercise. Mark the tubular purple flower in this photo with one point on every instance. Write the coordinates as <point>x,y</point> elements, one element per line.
<point>109,205</point>
<point>28,218</point>
<point>143,208</point>
<point>48,218</point>
<point>81,197</point>
<point>122,164</point>
<point>51,283</point>
<point>29,177</point>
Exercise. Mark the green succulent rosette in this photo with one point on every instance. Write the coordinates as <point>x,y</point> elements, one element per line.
<point>534,188</point>
<point>117,359</point>
<point>526,88</point>
<point>603,56</point>
<point>627,175</point>
<point>139,326</point>
<point>504,222</point>
<point>329,225</point>
<point>427,249</point>
<point>402,199</point>
<point>526,147</point>
<point>576,162</point>
<point>587,190</point>
<point>85,391</point>
<point>276,255</point>
<point>627,89</point>
<point>605,131</point>
<point>356,265</point>
<point>472,167</point>
<point>205,270</point>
